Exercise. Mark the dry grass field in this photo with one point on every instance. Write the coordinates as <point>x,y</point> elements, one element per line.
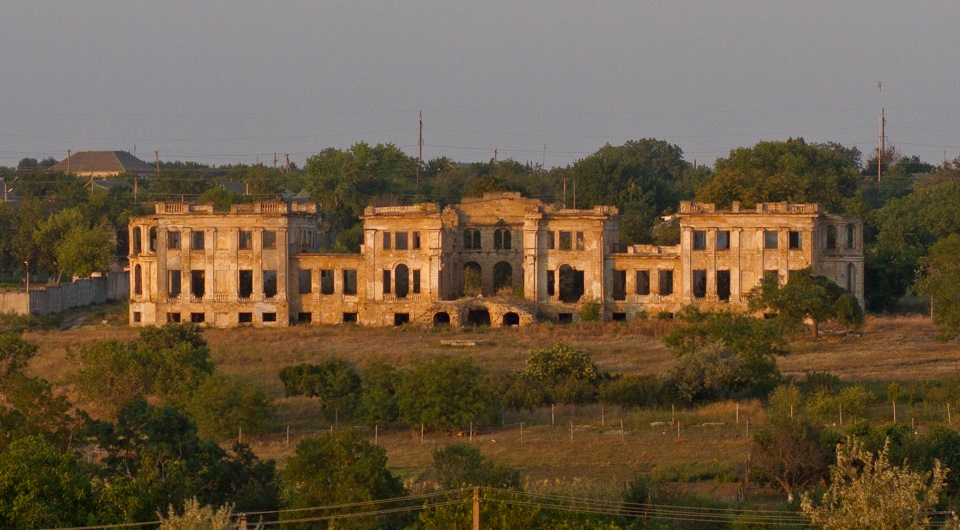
<point>598,456</point>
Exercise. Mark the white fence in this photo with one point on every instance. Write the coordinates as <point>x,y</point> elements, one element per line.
<point>56,298</point>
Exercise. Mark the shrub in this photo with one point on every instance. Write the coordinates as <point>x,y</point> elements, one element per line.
<point>221,406</point>
<point>335,382</point>
<point>632,391</point>
<point>445,394</point>
<point>591,310</point>
<point>848,311</point>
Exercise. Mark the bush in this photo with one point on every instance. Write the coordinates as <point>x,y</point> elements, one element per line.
<point>632,391</point>
<point>591,310</point>
<point>459,465</point>
<point>379,384</point>
<point>558,374</point>
<point>848,311</point>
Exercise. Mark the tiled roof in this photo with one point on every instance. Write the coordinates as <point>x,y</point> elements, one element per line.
<point>104,162</point>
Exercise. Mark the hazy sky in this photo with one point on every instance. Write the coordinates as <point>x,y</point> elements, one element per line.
<point>234,82</point>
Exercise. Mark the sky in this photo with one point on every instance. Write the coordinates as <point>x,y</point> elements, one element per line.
<point>231,82</point>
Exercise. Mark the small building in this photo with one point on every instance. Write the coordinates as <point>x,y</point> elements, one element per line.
<point>500,260</point>
<point>103,164</point>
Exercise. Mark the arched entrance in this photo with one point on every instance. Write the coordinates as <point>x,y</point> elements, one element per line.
<point>472,279</point>
<point>478,317</point>
<point>511,319</point>
<point>402,281</point>
<point>502,278</point>
<point>571,284</point>
<point>441,319</point>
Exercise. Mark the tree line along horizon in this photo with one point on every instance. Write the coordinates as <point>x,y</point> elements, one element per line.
<point>911,216</point>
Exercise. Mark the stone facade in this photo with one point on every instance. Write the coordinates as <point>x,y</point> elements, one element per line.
<point>499,260</point>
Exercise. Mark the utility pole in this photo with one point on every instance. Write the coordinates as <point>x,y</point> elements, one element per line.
<point>881,148</point>
<point>288,162</point>
<point>476,508</point>
<point>68,161</point>
<point>274,160</point>
<point>420,146</point>
<point>26,266</point>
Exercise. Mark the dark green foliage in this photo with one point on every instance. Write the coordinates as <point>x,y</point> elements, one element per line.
<point>41,487</point>
<point>848,312</point>
<point>643,178</point>
<point>747,346</point>
<point>338,468</point>
<point>14,355</point>
<point>224,406</point>
<point>378,398</point>
<point>349,240</point>
<point>445,394</point>
<point>168,362</point>
<point>155,459</point>
<point>791,171</point>
<point>941,281</point>
<point>335,382</point>
<point>888,274</point>
<point>30,408</point>
<point>459,465</point>
<point>804,296</point>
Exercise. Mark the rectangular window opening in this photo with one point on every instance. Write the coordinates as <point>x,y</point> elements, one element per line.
<point>416,240</point>
<point>386,282</point>
<point>401,240</point>
<point>350,281</point>
<point>304,318</point>
<point>580,241</point>
<point>771,239</point>
<point>699,283</point>
<point>400,319</point>
<point>269,283</point>
<point>173,240</point>
<point>306,281</point>
<point>198,318</point>
<point>197,240</point>
<point>723,240</point>
<point>643,283</point>
<point>619,285</point>
<point>245,318</point>
<point>137,316</point>
<point>551,279</point>
<point>566,240</point>
<point>197,283</point>
<point>796,240</point>
<point>386,241</point>
<point>551,240</point>
<point>245,285</point>
<point>326,281</point>
<point>665,279</point>
<point>173,286</point>
<point>349,318</point>
<point>723,286</point>
<point>173,317</point>
<point>269,317</point>
<point>269,239</point>
<point>416,281</point>
<point>699,240</point>
<point>245,240</point>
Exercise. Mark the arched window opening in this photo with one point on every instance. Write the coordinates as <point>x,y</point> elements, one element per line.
<point>831,237</point>
<point>571,284</point>
<point>441,319</point>
<point>851,236</point>
<point>472,279</point>
<point>851,277</point>
<point>137,241</point>
<point>502,239</point>
<point>471,239</point>
<point>137,280</point>
<point>511,319</point>
<point>502,278</point>
<point>402,281</point>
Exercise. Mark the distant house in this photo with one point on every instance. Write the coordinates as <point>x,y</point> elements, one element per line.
<point>108,185</point>
<point>103,164</point>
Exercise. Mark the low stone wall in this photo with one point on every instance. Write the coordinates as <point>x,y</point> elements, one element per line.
<point>57,298</point>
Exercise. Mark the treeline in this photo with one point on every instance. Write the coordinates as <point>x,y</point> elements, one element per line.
<point>911,222</point>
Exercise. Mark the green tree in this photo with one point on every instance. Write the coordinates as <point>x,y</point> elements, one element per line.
<point>108,375</point>
<point>223,406</point>
<point>197,517</point>
<point>561,374</point>
<point>335,383</point>
<point>339,468</point>
<point>84,251</point>
<point>459,465</point>
<point>378,398</point>
<point>643,178</point>
<point>444,393</point>
<point>40,487</point>
<point>791,170</point>
<point>748,346</point>
<point>15,353</point>
<point>804,296</point>
<point>792,452</point>
<point>941,281</point>
<point>867,491</point>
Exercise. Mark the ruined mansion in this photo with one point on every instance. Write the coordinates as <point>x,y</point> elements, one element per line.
<point>500,260</point>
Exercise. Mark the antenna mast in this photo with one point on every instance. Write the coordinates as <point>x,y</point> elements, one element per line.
<point>420,146</point>
<point>881,148</point>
